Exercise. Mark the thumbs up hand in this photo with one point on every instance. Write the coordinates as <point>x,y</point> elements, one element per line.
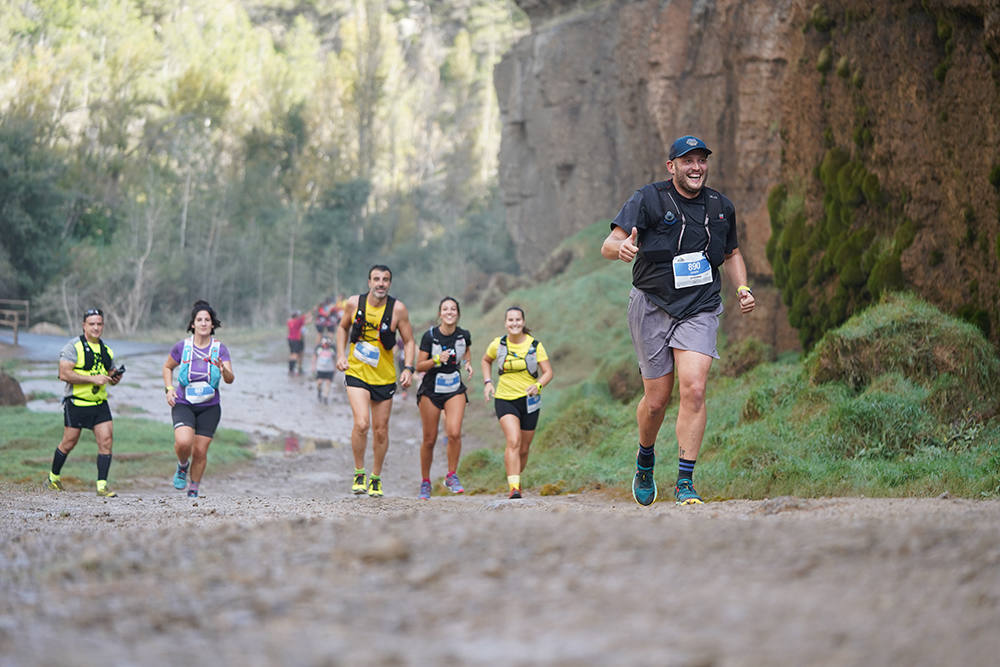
<point>629,246</point>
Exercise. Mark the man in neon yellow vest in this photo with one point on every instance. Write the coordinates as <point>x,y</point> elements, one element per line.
<point>369,325</point>
<point>86,366</point>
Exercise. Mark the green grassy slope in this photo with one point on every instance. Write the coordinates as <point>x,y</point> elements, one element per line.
<point>898,401</point>
<point>142,448</point>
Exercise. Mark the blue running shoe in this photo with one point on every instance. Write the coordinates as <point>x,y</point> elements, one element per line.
<point>644,486</point>
<point>180,478</point>
<point>452,484</point>
<point>685,494</point>
<point>425,490</point>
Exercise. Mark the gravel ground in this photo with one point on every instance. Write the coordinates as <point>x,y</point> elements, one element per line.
<point>279,564</point>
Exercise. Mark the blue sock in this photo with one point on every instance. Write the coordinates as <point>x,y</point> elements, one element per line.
<point>646,457</point>
<point>685,469</point>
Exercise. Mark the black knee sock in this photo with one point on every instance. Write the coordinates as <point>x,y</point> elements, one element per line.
<point>646,457</point>
<point>103,465</point>
<point>685,469</point>
<point>58,459</point>
<point>291,365</point>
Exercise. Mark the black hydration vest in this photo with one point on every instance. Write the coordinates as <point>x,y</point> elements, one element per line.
<point>385,335</point>
<point>88,356</point>
<point>660,240</point>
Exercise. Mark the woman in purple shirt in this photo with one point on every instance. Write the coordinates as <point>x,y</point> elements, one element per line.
<point>194,401</point>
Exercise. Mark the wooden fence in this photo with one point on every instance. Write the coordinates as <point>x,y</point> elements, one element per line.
<point>16,314</point>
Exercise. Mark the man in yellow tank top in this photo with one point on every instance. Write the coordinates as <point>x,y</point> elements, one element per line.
<point>366,337</point>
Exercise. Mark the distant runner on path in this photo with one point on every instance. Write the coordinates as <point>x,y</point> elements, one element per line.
<point>324,366</point>
<point>327,318</point>
<point>296,343</point>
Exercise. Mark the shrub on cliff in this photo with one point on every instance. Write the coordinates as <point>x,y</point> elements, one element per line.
<point>832,267</point>
<point>903,335</point>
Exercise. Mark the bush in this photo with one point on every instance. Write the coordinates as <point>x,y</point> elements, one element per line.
<point>744,356</point>
<point>623,378</point>
<point>905,335</point>
<point>882,424</point>
<point>819,18</point>
<point>824,61</point>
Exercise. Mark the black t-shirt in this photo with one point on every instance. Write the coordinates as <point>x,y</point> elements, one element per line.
<point>661,213</point>
<point>435,342</point>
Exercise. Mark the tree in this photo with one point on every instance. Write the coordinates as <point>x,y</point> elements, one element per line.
<point>33,210</point>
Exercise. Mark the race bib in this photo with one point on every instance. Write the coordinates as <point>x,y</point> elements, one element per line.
<point>534,403</point>
<point>691,269</point>
<point>447,383</point>
<point>198,392</point>
<point>366,352</point>
<point>325,363</point>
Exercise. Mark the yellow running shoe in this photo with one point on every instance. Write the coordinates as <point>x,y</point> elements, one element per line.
<point>359,486</point>
<point>105,492</point>
<point>54,483</point>
<point>375,487</point>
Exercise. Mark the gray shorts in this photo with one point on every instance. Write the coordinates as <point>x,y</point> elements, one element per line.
<point>655,334</point>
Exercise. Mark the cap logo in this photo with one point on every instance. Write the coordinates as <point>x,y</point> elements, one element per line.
<point>691,141</point>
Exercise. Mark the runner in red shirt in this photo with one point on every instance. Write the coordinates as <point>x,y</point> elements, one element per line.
<point>295,342</point>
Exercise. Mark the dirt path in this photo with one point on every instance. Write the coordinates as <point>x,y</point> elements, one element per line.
<point>279,564</point>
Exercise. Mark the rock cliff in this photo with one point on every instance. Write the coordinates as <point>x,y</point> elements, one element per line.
<point>592,98</point>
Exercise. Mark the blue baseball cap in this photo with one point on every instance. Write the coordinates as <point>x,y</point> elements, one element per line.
<point>686,144</point>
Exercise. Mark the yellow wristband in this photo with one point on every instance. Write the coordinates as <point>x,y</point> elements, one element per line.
<point>167,389</point>
<point>743,287</point>
<point>437,359</point>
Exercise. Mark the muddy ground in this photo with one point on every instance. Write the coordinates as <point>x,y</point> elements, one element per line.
<point>279,564</point>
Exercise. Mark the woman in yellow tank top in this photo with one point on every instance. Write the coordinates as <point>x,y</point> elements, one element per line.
<point>524,368</point>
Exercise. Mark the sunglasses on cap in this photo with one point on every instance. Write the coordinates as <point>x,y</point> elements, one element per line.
<point>93,311</point>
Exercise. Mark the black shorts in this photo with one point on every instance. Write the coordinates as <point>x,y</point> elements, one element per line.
<point>519,408</point>
<point>296,346</point>
<point>85,416</point>
<point>204,419</point>
<point>440,399</point>
<point>324,328</point>
<point>378,392</point>
<point>324,375</point>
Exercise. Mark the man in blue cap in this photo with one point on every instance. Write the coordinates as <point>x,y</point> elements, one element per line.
<point>679,232</point>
